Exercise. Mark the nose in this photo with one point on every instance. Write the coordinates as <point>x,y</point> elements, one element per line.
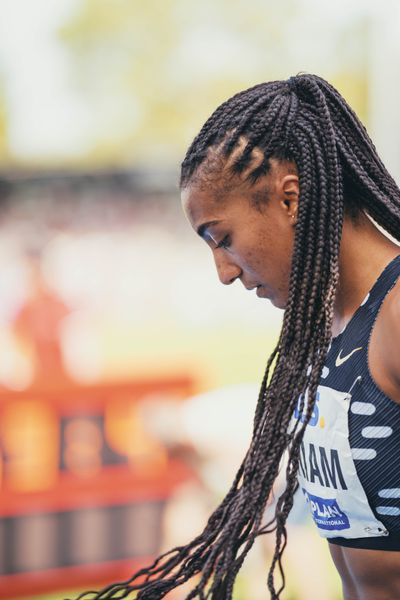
<point>227,269</point>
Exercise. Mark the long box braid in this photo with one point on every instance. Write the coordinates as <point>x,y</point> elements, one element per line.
<point>305,120</point>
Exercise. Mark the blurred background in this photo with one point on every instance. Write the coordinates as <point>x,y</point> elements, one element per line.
<point>128,374</point>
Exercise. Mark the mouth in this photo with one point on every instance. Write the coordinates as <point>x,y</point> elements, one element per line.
<point>261,291</point>
<point>251,287</point>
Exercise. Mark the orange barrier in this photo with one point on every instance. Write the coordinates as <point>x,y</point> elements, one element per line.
<point>83,483</point>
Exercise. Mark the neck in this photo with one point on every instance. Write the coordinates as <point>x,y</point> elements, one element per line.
<point>364,253</point>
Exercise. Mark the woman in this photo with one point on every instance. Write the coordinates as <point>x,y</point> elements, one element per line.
<point>279,183</point>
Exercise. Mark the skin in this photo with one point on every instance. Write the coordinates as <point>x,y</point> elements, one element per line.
<point>262,240</point>
<point>254,243</point>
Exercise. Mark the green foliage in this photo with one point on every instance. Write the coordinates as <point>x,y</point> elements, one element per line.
<point>153,71</point>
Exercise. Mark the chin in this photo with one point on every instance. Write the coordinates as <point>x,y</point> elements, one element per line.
<point>278,303</point>
<point>273,298</point>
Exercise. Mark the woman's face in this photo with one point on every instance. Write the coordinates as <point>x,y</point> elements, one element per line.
<point>249,228</point>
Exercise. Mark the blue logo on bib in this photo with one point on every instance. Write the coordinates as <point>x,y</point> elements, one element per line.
<point>326,513</point>
<point>302,416</point>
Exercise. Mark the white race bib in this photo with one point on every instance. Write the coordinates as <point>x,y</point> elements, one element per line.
<point>327,474</point>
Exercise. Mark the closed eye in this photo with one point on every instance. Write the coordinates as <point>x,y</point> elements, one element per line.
<point>225,242</point>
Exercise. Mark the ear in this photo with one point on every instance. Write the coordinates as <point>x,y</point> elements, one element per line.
<point>290,191</point>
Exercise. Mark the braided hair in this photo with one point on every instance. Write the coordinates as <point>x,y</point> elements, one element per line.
<point>304,120</point>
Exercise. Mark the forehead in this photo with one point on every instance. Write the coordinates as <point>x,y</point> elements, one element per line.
<point>225,200</point>
<point>200,204</point>
<point>212,188</point>
<point>221,192</point>
<point>204,208</point>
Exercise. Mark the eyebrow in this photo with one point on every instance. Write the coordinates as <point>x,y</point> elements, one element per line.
<point>201,230</point>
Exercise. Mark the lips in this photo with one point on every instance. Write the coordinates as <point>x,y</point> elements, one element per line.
<point>261,291</point>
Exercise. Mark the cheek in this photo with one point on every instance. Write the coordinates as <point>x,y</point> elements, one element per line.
<point>267,254</point>
<point>272,262</point>
<point>281,251</point>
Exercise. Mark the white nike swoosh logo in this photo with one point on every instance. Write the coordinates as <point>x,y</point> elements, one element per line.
<point>341,359</point>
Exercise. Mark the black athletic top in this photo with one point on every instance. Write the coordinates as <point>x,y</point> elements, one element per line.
<point>373,418</point>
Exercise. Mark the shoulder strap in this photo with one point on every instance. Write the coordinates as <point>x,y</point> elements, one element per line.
<point>383,284</point>
<point>357,329</point>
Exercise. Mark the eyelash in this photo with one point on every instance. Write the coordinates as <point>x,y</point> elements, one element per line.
<point>225,242</point>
